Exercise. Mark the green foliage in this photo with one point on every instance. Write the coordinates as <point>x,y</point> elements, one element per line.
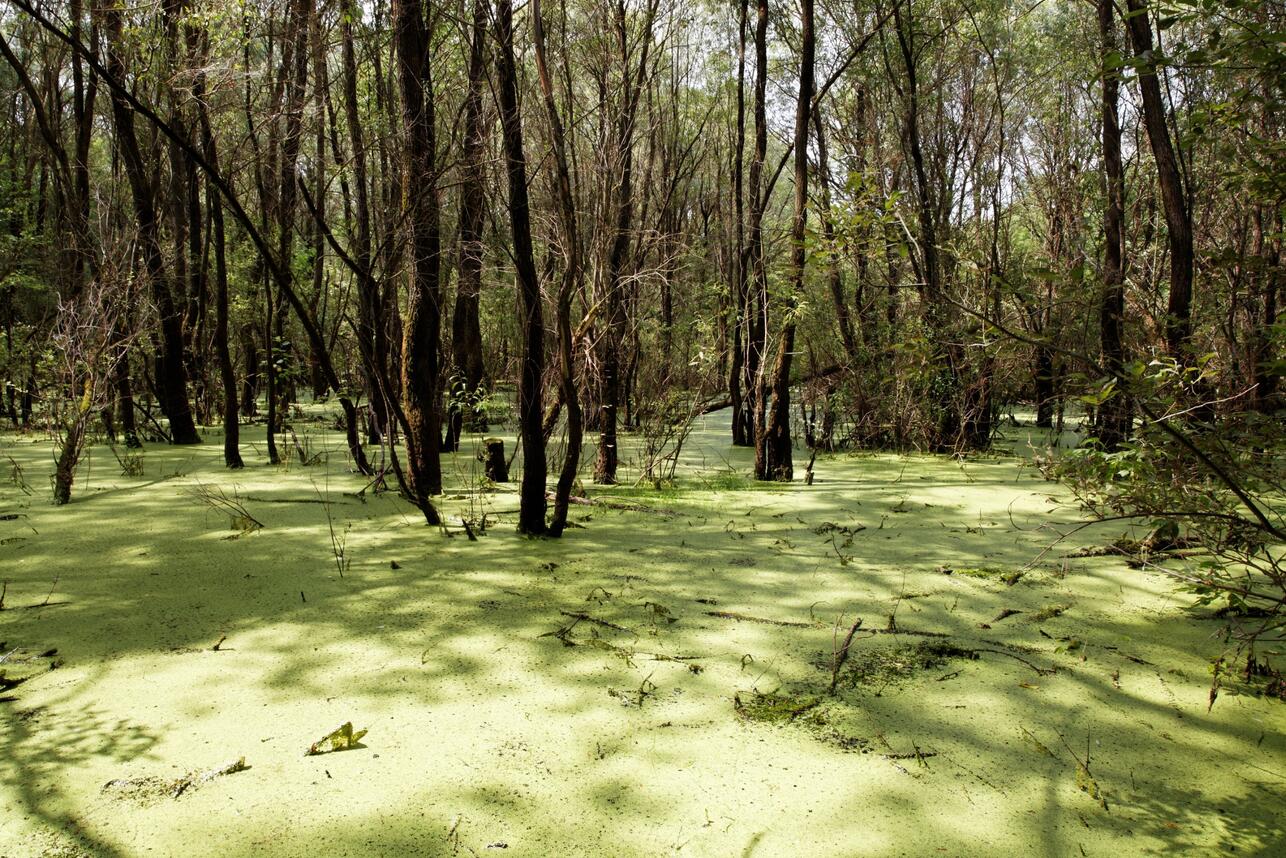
<point>1213,498</point>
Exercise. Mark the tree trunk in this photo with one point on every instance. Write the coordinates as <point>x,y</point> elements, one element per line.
<point>737,292</point>
<point>422,332</point>
<point>756,304</point>
<point>774,448</point>
<point>572,274</point>
<point>1178,322</point>
<point>466,326</point>
<point>615,380</point>
<point>1114,417</point>
<point>532,502</point>
<point>944,353</point>
<point>171,378</point>
<point>372,331</point>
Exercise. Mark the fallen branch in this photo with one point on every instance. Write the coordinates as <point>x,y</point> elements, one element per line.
<point>729,615</point>
<point>841,654</point>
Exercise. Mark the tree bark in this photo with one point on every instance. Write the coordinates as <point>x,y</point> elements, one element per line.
<point>774,447</point>
<point>1178,322</point>
<point>571,282</point>
<point>1114,417</point>
<point>532,502</point>
<point>466,326</point>
<point>423,327</point>
<point>171,377</point>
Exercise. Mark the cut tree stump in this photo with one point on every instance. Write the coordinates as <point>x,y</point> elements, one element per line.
<point>492,455</point>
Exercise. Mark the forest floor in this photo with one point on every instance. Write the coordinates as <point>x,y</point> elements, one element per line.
<point>655,683</point>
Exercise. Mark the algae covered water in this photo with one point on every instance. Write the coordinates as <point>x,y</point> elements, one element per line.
<point>684,673</point>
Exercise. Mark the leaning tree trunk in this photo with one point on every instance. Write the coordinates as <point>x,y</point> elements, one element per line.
<point>1178,220</point>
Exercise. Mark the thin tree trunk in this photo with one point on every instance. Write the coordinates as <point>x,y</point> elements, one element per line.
<point>171,380</point>
<point>227,373</point>
<point>572,273</point>
<point>756,305</point>
<point>843,317</point>
<point>532,502</point>
<point>774,448</point>
<point>422,333</point>
<point>466,326</point>
<point>737,292</point>
<point>1114,415</point>
<point>372,330</point>
<point>1178,322</point>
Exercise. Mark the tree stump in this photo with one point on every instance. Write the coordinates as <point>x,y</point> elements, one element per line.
<point>492,455</point>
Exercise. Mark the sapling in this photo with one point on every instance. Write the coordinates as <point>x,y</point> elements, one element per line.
<point>88,344</point>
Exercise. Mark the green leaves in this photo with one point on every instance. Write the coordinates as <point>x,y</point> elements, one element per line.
<point>342,738</point>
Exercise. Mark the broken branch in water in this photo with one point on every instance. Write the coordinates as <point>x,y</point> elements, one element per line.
<point>841,654</point>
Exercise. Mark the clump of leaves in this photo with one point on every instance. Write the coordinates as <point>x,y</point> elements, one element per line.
<point>1049,612</point>
<point>880,666</point>
<point>1009,577</point>
<point>342,738</point>
<point>773,708</point>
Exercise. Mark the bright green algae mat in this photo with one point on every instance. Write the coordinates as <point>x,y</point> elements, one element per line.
<point>655,683</point>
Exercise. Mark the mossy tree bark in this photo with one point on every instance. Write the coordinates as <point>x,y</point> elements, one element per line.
<point>422,332</point>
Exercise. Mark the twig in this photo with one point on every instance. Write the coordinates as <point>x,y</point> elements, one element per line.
<point>50,594</point>
<point>729,615</point>
<point>841,654</point>
<point>576,615</point>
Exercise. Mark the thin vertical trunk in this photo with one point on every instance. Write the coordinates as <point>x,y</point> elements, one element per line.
<point>532,502</point>
<point>572,273</point>
<point>319,305</point>
<point>947,384</point>
<point>227,374</point>
<point>774,448</point>
<point>466,326</point>
<point>372,332</point>
<point>615,380</point>
<point>843,317</point>
<point>756,305</point>
<point>1114,415</point>
<point>422,333</point>
<point>171,381</point>
<point>737,292</point>
<point>1267,371</point>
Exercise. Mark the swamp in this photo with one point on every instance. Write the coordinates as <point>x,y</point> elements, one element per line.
<point>642,428</point>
